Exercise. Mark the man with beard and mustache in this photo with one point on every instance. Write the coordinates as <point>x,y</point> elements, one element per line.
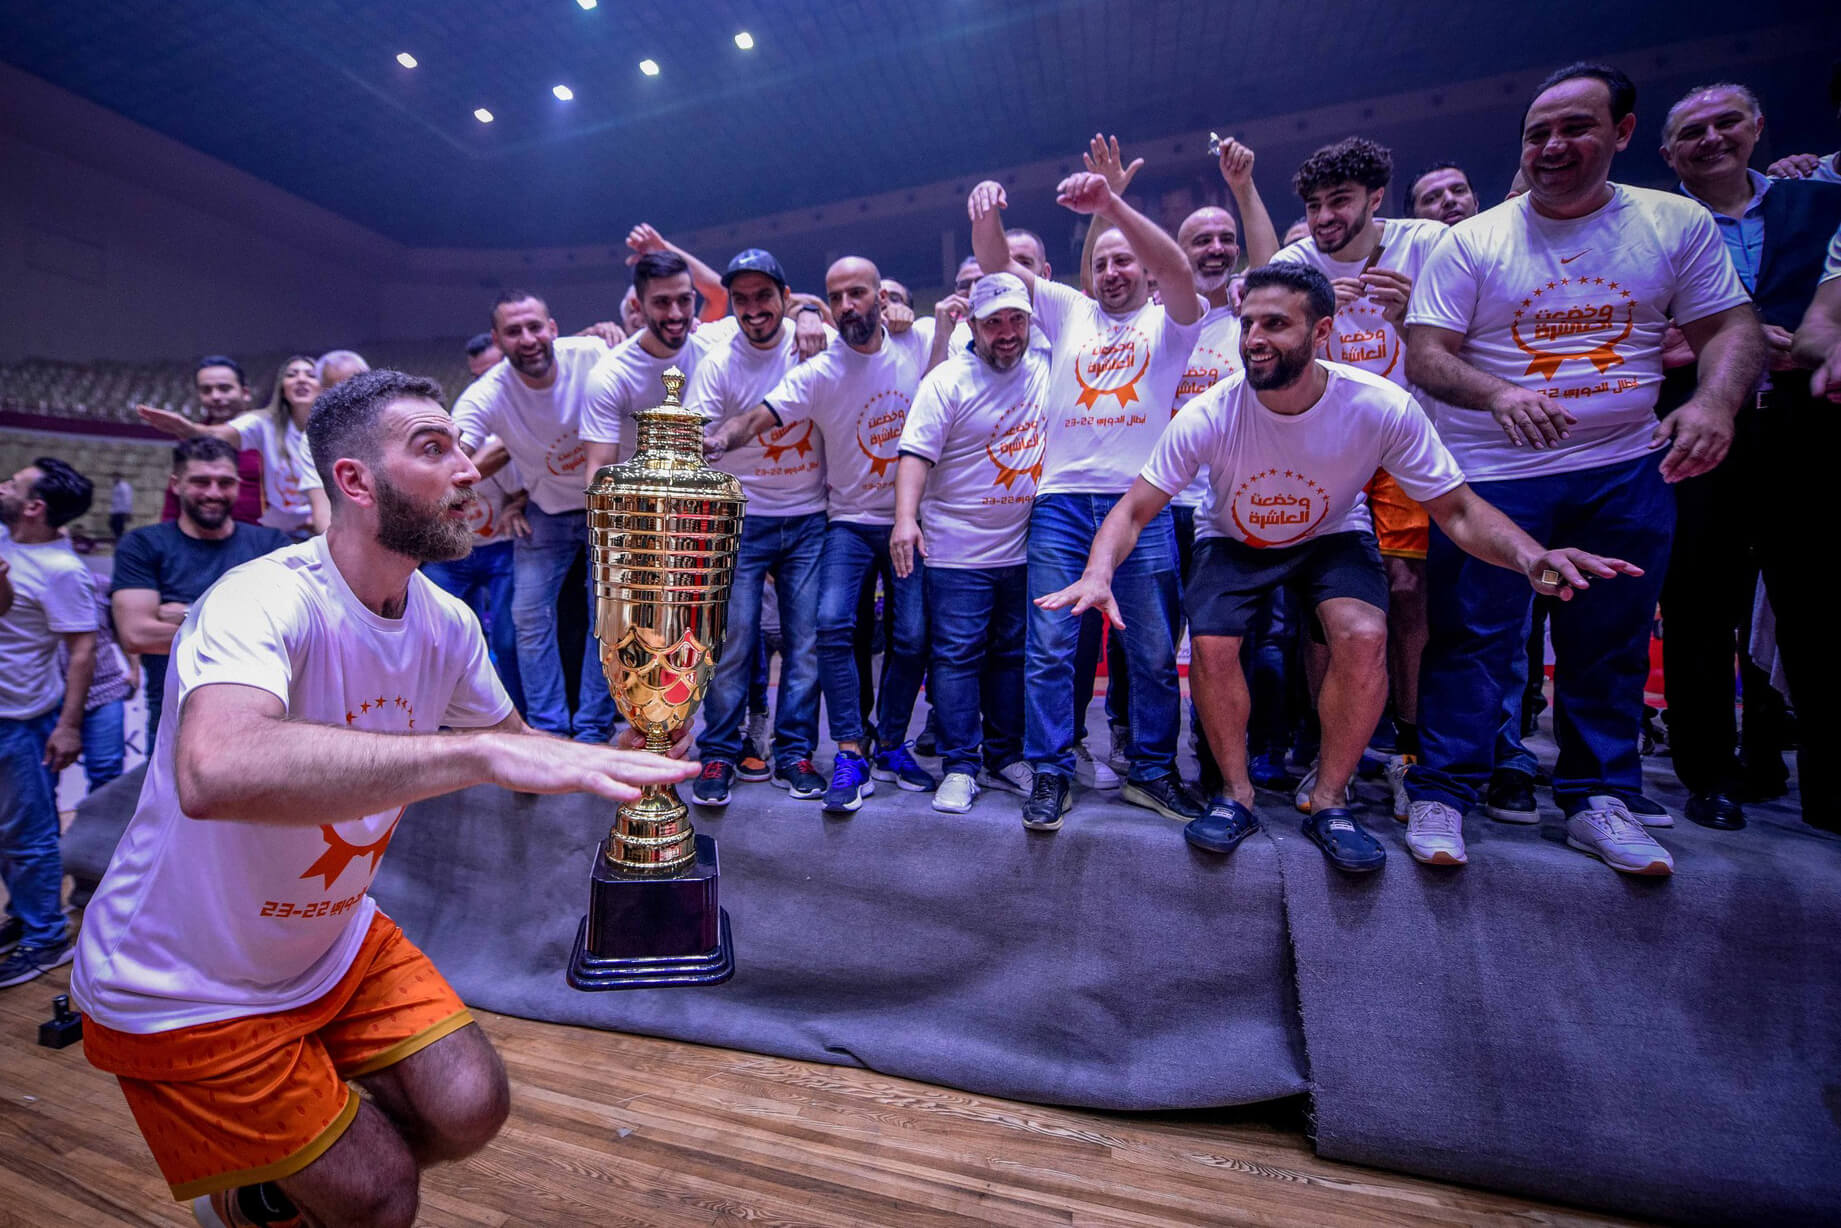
<point>1777,233</point>
<point>1372,263</point>
<point>533,402</point>
<point>161,569</point>
<point>627,377</point>
<point>856,397</point>
<point>1117,363</point>
<point>1442,193</point>
<point>1536,330</point>
<point>782,471</point>
<point>233,969</point>
<point>967,476</point>
<point>1289,445</point>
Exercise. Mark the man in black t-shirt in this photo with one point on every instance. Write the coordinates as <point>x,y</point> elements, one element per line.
<point>161,569</point>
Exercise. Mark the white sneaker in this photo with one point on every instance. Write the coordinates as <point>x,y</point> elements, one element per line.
<point>955,793</point>
<point>1435,834</point>
<point>1607,830</point>
<point>1091,772</point>
<point>1396,779</point>
<point>1018,778</point>
<point>1308,786</point>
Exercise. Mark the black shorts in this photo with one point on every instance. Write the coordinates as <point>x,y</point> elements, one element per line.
<point>1231,577</point>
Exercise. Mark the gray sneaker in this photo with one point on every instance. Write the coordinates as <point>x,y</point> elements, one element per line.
<point>1607,830</point>
<point>1435,834</point>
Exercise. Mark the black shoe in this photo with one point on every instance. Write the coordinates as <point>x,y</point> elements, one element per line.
<point>1511,798</point>
<point>928,743</point>
<point>27,963</point>
<point>712,787</point>
<point>11,931</point>
<point>1715,810</point>
<point>1222,829</point>
<point>1051,798</point>
<point>1764,785</point>
<point>1167,795</point>
<point>1346,844</point>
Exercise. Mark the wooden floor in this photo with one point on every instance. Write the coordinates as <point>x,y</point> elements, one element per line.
<point>609,1129</point>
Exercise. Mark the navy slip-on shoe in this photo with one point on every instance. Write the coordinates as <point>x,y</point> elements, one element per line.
<point>1222,828</point>
<point>1346,844</point>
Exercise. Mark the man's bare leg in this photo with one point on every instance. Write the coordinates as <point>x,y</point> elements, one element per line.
<point>1218,688</point>
<point>1354,692</point>
<point>1406,636</point>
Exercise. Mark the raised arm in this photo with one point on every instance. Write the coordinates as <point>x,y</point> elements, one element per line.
<point>1163,260</point>
<point>1258,237</point>
<point>645,238</point>
<point>1118,533</point>
<point>309,774</point>
<point>986,207</point>
<point>1102,158</point>
<point>181,427</point>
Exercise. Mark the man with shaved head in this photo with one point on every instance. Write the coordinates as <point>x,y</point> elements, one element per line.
<point>856,396</point>
<point>1118,359</point>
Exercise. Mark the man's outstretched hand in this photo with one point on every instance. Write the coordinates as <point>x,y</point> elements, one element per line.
<point>1573,569</point>
<point>1083,595</point>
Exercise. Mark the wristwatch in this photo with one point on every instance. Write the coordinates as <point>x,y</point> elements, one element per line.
<point>805,307</point>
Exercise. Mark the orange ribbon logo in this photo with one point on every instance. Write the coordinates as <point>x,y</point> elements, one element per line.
<point>566,455</point>
<point>1581,320</point>
<point>1109,356</point>
<point>778,442</point>
<point>340,853</point>
<point>1023,441</point>
<point>883,428</point>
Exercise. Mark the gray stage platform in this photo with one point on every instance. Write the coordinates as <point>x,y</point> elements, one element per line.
<point>1532,1022</point>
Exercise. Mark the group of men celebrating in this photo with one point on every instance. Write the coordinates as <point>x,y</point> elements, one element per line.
<point>1409,428</point>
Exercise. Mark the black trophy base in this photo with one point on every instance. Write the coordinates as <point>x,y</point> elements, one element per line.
<point>653,933</point>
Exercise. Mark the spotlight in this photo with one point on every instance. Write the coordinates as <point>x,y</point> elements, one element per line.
<point>649,67</point>
<point>745,41</point>
<point>482,115</point>
<point>586,4</point>
<point>563,93</point>
<point>405,59</point>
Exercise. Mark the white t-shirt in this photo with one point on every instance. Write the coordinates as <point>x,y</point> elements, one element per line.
<point>486,515</point>
<point>1111,378</point>
<point>51,598</point>
<point>782,469</point>
<point>540,426</point>
<point>859,403</point>
<point>1573,309</point>
<point>917,342</point>
<point>205,919</point>
<point>961,341</point>
<point>1281,479</point>
<point>287,467</point>
<point>982,429</point>
<point>1360,336</point>
<point>626,380</point>
<point>1215,357</point>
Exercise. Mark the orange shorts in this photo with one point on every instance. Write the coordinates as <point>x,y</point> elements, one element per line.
<point>1401,527</point>
<point>260,1097</point>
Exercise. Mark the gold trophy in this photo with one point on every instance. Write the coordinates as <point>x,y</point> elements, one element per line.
<point>665,528</point>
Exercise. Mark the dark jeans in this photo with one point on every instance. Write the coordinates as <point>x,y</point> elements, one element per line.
<point>1478,615</point>
<point>30,862</point>
<point>1149,593</point>
<point>540,564</point>
<point>850,551</point>
<point>484,581</point>
<point>787,548</point>
<point>977,620</point>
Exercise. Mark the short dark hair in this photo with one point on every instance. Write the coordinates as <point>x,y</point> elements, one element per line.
<point>479,343</point>
<point>1354,159</point>
<point>64,492</point>
<point>656,266</point>
<point>514,296</point>
<point>1021,232</point>
<point>344,417</point>
<point>202,448</point>
<point>1622,88</point>
<point>221,360</point>
<point>1319,298</point>
<point>1412,185</point>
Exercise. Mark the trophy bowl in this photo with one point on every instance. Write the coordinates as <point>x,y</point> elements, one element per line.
<point>664,529</point>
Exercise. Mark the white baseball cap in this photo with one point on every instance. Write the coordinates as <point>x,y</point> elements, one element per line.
<point>997,292</point>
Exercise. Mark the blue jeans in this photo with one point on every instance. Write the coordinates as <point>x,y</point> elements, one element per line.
<point>788,549</point>
<point>484,581</point>
<point>1512,754</point>
<point>103,748</point>
<point>1149,593</point>
<point>30,862</point>
<point>1478,617</point>
<point>978,616</point>
<point>850,551</point>
<point>540,562</point>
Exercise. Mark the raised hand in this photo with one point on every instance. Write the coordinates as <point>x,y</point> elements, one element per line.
<point>899,317</point>
<point>808,334</point>
<point>1236,163</point>
<point>177,425</point>
<point>1083,595</point>
<point>988,197</point>
<point>1347,289</point>
<point>1085,192</point>
<point>950,310</point>
<point>1572,567</point>
<point>1388,289</point>
<point>1102,158</point>
<point>644,238</point>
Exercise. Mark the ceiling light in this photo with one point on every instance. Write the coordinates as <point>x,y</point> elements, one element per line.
<point>649,67</point>
<point>745,41</point>
<point>586,4</point>
<point>563,93</point>
<point>405,59</point>
<point>482,115</point>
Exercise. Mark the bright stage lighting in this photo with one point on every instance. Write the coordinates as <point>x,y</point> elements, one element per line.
<point>649,67</point>
<point>745,41</point>
<point>405,59</point>
<point>482,115</point>
<point>563,93</point>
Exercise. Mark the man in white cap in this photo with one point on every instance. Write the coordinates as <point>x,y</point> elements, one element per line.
<point>970,455</point>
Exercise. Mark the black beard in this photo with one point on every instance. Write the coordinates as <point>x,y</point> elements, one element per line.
<point>1287,366</point>
<point>858,329</point>
<point>421,531</point>
<point>538,366</point>
<point>657,331</point>
<point>206,517</point>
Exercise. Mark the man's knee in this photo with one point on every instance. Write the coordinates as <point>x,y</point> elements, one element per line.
<point>469,1108</point>
<point>1358,638</point>
<point>1215,653</point>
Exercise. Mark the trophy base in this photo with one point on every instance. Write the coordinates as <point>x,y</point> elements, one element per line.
<point>653,932</point>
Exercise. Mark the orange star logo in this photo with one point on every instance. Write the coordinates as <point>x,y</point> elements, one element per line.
<point>340,852</point>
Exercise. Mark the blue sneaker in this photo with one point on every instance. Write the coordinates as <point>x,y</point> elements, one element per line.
<point>850,783</point>
<point>897,764</point>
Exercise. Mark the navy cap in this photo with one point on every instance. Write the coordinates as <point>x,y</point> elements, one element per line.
<point>754,260</point>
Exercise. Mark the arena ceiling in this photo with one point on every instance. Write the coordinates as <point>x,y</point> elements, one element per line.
<point>835,100</point>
